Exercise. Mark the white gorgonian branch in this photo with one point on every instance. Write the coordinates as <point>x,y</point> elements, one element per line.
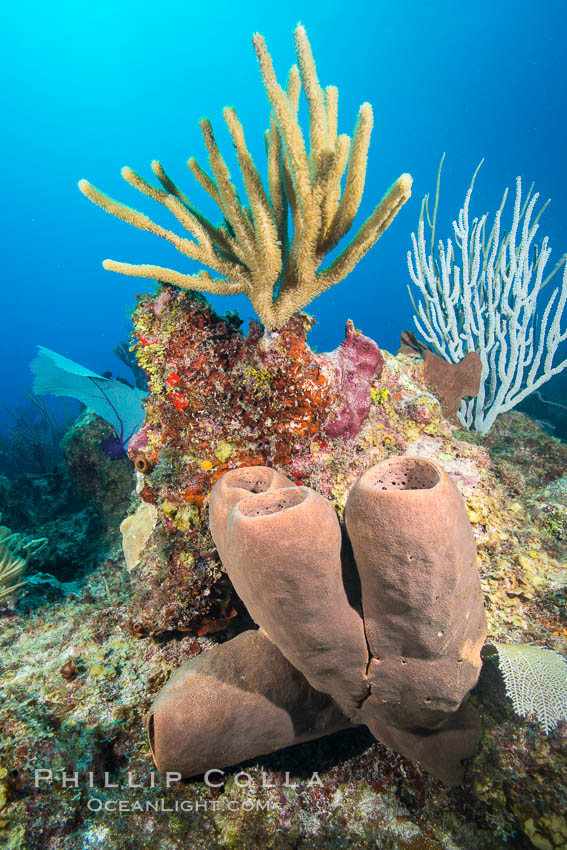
<point>480,294</point>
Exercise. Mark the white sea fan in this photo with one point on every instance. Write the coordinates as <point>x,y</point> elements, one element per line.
<point>536,681</point>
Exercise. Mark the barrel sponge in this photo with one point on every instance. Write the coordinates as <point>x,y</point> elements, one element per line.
<point>283,556</point>
<point>239,700</point>
<point>421,595</point>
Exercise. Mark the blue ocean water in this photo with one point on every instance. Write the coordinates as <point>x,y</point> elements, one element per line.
<point>88,88</point>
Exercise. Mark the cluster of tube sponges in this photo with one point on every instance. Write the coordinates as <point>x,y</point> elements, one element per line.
<point>380,623</point>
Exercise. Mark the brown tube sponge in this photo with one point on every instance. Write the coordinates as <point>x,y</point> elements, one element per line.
<point>237,701</point>
<point>421,596</point>
<point>440,751</point>
<point>234,486</point>
<point>283,556</point>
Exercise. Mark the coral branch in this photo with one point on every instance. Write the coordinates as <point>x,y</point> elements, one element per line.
<point>483,296</point>
<point>256,251</point>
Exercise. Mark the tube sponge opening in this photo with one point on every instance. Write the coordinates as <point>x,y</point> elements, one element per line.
<point>406,474</point>
<point>272,503</point>
<point>256,479</point>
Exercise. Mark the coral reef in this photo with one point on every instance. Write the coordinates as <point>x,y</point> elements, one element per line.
<point>76,685</point>
<point>218,401</point>
<point>255,251</point>
<point>78,505</point>
<point>294,429</point>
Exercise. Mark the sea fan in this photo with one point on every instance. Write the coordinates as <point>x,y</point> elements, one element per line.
<point>116,402</point>
<point>536,682</point>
